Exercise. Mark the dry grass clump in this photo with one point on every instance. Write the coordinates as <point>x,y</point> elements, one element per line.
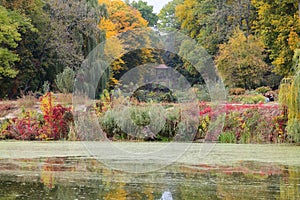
<point>6,108</point>
<point>28,100</point>
<point>64,98</point>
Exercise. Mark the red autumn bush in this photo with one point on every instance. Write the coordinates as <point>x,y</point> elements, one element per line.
<point>258,123</point>
<point>24,128</point>
<point>55,126</point>
<point>51,125</point>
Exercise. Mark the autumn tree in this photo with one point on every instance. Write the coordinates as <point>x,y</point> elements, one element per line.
<point>72,33</point>
<point>12,26</point>
<point>31,64</point>
<point>278,25</point>
<point>122,19</point>
<point>241,61</point>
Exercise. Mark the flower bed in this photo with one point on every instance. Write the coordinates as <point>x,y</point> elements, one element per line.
<point>255,123</point>
<point>52,124</point>
<point>243,123</point>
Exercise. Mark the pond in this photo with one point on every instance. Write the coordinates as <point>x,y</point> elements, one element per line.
<point>84,177</point>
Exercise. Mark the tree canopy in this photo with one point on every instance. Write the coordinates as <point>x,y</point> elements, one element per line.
<point>212,22</point>
<point>12,26</point>
<point>146,11</point>
<point>167,18</point>
<point>41,38</point>
<point>60,35</point>
<point>277,23</point>
<point>241,61</point>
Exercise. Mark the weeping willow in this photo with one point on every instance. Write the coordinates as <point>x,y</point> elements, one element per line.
<point>289,97</point>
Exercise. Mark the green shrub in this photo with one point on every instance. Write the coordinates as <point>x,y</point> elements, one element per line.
<point>245,138</point>
<point>227,137</point>
<point>109,124</point>
<point>46,87</point>
<point>255,99</point>
<point>65,80</point>
<point>202,93</point>
<point>154,93</point>
<point>137,121</point>
<point>251,92</point>
<point>263,89</point>
<point>4,124</point>
<point>247,99</point>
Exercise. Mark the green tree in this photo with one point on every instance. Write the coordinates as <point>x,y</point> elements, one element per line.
<point>146,11</point>
<point>212,22</point>
<point>30,48</point>
<point>73,29</point>
<point>12,26</point>
<point>167,19</point>
<point>241,61</point>
<point>65,34</point>
<point>278,25</point>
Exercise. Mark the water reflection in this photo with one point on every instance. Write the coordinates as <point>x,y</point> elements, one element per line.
<point>84,178</point>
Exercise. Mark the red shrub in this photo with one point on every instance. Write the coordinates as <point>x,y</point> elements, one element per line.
<point>55,126</point>
<point>26,128</point>
<point>252,123</point>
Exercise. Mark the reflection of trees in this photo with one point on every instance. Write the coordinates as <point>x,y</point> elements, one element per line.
<point>251,180</point>
<point>69,178</point>
<point>290,184</point>
<point>198,186</point>
<point>118,192</point>
<point>239,186</point>
<point>47,173</point>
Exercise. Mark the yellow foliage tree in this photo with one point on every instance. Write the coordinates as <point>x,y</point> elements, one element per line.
<point>241,61</point>
<point>121,18</point>
<point>278,25</point>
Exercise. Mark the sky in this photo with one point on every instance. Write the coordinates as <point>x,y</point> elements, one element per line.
<point>157,4</point>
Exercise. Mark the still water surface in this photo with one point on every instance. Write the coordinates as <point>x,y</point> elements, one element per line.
<point>86,178</point>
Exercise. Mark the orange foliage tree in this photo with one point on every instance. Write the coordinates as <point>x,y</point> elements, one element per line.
<point>122,18</point>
